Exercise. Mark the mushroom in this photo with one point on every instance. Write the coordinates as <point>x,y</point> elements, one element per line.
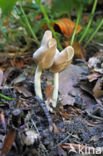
<point>61,61</point>
<point>44,58</point>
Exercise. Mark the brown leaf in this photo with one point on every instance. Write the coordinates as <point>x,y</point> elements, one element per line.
<point>98,88</point>
<point>68,78</point>
<point>2,119</point>
<point>48,91</point>
<point>93,76</point>
<point>61,152</point>
<point>65,26</point>
<point>8,142</point>
<point>17,62</point>
<point>56,130</point>
<point>1,77</point>
<point>23,90</point>
<point>79,51</point>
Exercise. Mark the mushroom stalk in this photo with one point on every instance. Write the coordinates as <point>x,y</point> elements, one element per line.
<point>37,82</point>
<point>55,91</point>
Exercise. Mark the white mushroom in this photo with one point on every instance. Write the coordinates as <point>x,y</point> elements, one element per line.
<point>44,58</point>
<point>61,61</point>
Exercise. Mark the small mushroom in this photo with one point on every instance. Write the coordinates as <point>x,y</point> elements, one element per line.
<point>44,58</point>
<point>61,61</point>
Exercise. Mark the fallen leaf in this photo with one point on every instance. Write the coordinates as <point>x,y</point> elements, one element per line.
<point>65,26</point>
<point>93,76</point>
<point>8,142</point>
<point>17,62</point>
<point>79,51</point>
<point>61,152</point>
<point>2,119</point>
<point>49,91</point>
<point>56,130</point>
<point>98,88</point>
<point>1,77</point>
<point>23,90</point>
<point>67,79</point>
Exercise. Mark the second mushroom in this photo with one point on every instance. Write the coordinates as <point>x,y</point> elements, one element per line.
<point>48,57</point>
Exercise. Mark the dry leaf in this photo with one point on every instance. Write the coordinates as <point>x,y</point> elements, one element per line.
<point>17,62</point>
<point>8,142</point>
<point>93,76</point>
<point>23,90</point>
<point>61,152</point>
<point>1,77</point>
<point>2,119</point>
<point>65,26</point>
<point>49,91</point>
<point>98,88</point>
<point>79,51</point>
<point>56,130</point>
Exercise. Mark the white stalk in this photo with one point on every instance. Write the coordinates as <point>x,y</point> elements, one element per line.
<point>37,82</point>
<point>55,91</point>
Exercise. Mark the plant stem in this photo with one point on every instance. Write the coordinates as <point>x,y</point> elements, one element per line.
<point>76,25</point>
<point>91,37</point>
<point>49,24</point>
<point>29,26</point>
<point>6,97</point>
<point>90,21</point>
<point>37,82</point>
<point>56,88</point>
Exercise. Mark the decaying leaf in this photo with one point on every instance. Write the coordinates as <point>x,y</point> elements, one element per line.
<point>8,142</point>
<point>23,90</point>
<point>79,51</point>
<point>61,152</point>
<point>17,62</point>
<point>93,76</point>
<point>65,26</point>
<point>48,91</point>
<point>2,119</point>
<point>98,88</point>
<point>1,77</point>
<point>68,78</point>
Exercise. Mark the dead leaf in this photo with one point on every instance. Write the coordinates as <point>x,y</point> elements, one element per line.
<point>61,152</point>
<point>17,62</point>
<point>1,77</point>
<point>93,76</point>
<point>8,142</point>
<point>67,79</point>
<point>2,119</point>
<point>23,90</point>
<point>65,26</point>
<point>48,91</point>
<point>79,51</point>
<point>98,88</point>
<point>56,130</point>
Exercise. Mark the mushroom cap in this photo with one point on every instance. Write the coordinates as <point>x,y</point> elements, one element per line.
<point>46,37</point>
<point>62,59</point>
<point>44,56</point>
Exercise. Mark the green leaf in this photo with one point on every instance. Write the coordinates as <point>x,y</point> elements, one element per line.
<point>65,6</point>
<point>62,6</point>
<point>7,6</point>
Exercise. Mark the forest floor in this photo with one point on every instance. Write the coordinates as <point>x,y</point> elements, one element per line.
<point>74,128</point>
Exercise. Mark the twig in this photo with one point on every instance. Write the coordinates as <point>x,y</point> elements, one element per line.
<point>45,111</point>
<point>93,116</point>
